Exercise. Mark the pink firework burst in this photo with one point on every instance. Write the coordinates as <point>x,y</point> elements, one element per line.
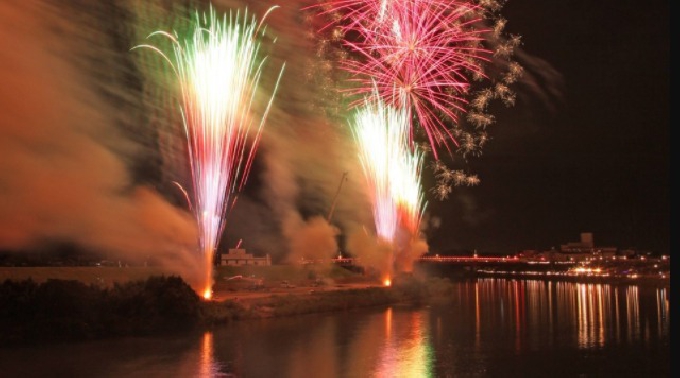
<point>426,51</point>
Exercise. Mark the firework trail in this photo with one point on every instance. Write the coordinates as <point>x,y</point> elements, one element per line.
<point>218,69</point>
<point>391,168</point>
<point>379,131</point>
<point>406,189</point>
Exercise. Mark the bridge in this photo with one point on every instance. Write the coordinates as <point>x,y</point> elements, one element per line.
<point>469,259</point>
<point>475,259</point>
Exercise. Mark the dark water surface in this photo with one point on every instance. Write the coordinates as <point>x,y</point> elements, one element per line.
<point>488,328</point>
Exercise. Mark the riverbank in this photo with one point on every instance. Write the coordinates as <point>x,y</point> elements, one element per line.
<point>266,303</point>
<point>316,300</point>
<point>69,310</point>
<point>58,310</point>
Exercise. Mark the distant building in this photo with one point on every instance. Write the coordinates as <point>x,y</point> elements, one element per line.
<point>608,253</point>
<point>585,245</point>
<point>238,256</point>
<point>585,250</point>
<point>528,255</point>
<point>551,256</point>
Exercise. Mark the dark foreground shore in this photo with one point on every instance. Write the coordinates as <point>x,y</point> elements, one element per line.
<point>69,310</point>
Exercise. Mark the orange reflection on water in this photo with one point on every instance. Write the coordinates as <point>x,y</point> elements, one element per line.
<point>633,311</point>
<point>518,321</point>
<point>388,322</point>
<point>592,315</point>
<point>595,313</point>
<point>400,341</point>
<point>206,365</point>
<point>478,322</point>
<point>662,304</point>
<point>407,351</point>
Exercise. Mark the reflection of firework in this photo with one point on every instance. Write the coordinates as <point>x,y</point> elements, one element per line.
<point>218,69</point>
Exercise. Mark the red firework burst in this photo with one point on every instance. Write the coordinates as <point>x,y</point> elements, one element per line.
<point>421,52</point>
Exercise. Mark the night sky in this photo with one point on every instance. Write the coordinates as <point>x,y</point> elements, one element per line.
<point>594,158</point>
<point>586,148</point>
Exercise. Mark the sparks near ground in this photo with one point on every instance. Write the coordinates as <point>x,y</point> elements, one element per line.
<point>218,70</point>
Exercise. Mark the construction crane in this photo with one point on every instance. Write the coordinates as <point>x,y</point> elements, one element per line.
<point>335,199</point>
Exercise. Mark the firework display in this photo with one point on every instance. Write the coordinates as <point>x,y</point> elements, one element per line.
<point>412,68</point>
<point>425,49</point>
<point>379,131</point>
<point>392,171</point>
<point>437,54</point>
<point>410,73</point>
<point>218,69</point>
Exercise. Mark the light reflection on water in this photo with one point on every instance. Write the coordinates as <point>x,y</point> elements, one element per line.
<point>406,351</point>
<point>489,327</point>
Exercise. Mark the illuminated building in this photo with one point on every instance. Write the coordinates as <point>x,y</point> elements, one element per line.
<point>238,256</point>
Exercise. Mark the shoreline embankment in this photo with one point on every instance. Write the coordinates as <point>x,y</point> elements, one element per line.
<point>65,310</point>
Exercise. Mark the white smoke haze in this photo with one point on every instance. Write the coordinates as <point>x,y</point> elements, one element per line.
<point>408,249</point>
<point>541,80</point>
<point>304,154</point>
<point>303,148</point>
<point>373,253</point>
<point>61,176</point>
<point>65,171</point>
<point>299,148</point>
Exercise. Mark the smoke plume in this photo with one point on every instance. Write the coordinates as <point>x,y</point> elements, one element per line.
<point>91,142</point>
<point>65,172</point>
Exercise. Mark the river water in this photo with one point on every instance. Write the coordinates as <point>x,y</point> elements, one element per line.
<point>488,328</point>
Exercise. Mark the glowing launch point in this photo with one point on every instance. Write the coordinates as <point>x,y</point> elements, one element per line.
<point>207,294</point>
